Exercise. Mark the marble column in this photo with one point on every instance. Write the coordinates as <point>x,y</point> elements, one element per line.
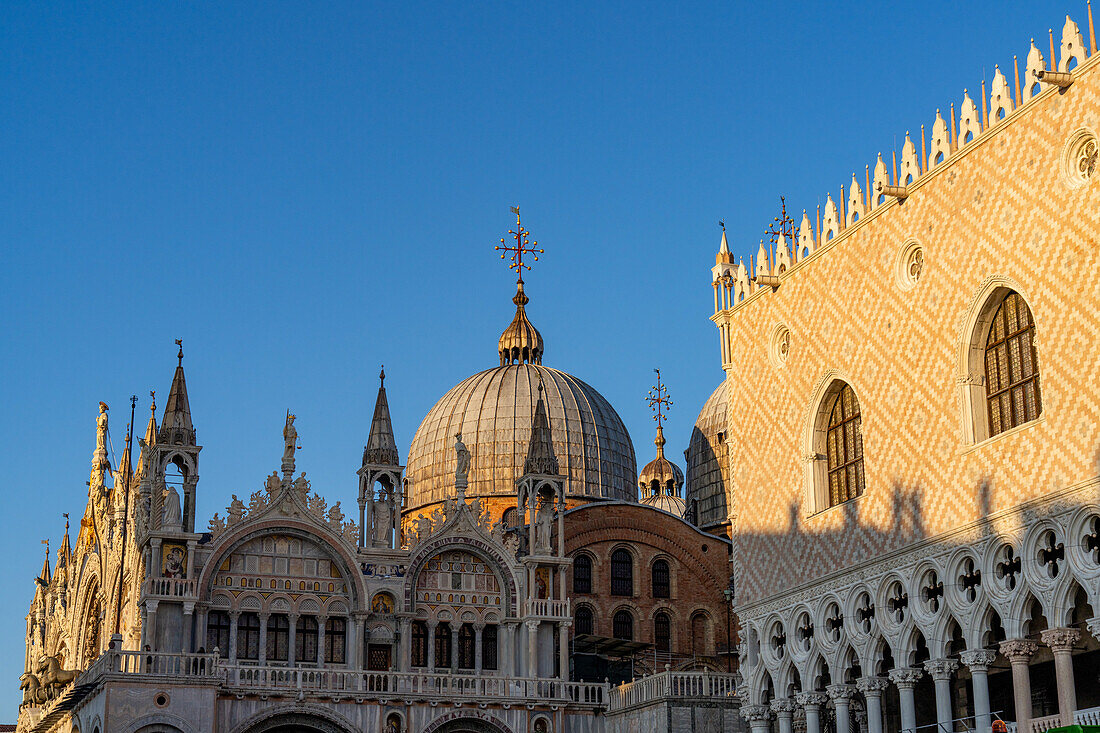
<point>1019,652</point>
<point>532,647</point>
<point>941,671</point>
<point>231,653</point>
<point>149,628</point>
<point>811,703</point>
<point>263,638</point>
<point>404,649</point>
<point>478,629</point>
<point>321,640</point>
<point>841,696</point>
<point>978,661</point>
<point>758,717</point>
<point>188,626</point>
<point>872,689</point>
<point>563,649</point>
<point>456,632</point>
<point>1061,642</point>
<point>784,713</point>
<point>201,616</point>
<point>906,679</point>
<point>431,645</point>
<point>291,652</point>
<point>354,642</point>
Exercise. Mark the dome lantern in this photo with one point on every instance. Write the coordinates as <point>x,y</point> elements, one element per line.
<point>660,481</point>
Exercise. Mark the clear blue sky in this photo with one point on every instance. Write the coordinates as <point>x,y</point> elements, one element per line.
<point>302,192</point>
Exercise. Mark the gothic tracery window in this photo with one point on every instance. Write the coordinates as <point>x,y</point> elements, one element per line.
<point>622,573</point>
<point>844,448</point>
<point>1011,366</point>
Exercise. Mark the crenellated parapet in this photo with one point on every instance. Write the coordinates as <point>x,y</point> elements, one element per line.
<point>887,183</point>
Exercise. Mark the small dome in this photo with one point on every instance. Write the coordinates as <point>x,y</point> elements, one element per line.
<point>660,481</point>
<point>707,469</point>
<point>521,342</point>
<point>666,502</point>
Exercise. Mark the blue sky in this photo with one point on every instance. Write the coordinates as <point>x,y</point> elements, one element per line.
<point>303,192</point>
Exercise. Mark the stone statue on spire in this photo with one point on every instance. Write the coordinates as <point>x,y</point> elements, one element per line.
<point>462,464</point>
<point>290,444</point>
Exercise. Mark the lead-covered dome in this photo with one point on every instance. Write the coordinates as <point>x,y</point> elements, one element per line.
<point>707,467</point>
<point>493,412</point>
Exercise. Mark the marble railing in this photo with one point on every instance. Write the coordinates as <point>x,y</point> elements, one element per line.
<point>666,685</point>
<point>1088,716</point>
<point>171,587</point>
<point>548,608</point>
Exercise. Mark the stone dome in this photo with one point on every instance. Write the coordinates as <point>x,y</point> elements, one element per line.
<point>493,411</point>
<point>707,467</point>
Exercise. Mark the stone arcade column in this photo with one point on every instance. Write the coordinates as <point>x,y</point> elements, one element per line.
<point>758,717</point>
<point>431,645</point>
<point>906,679</point>
<point>978,661</point>
<point>1018,652</point>
<point>842,697</point>
<point>563,649</point>
<point>811,702</point>
<point>201,616</point>
<point>1061,642</point>
<point>354,643</point>
<point>872,689</point>
<point>456,632</point>
<point>941,671</point>
<point>511,644</point>
<point>231,653</point>
<point>404,646</point>
<point>149,628</point>
<point>784,713</point>
<point>188,628</point>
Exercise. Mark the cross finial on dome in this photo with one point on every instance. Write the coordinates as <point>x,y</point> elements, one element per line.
<point>521,342</point>
<point>520,248</point>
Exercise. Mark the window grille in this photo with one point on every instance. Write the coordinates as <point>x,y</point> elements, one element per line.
<point>582,574</point>
<point>622,573</point>
<point>1012,367</point>
<point>844,448</point>
<point>661,579</point>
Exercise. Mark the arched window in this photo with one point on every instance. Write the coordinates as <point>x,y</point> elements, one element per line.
<point>582,574</point>
<point>419,644</point>
<point>278,637</point>
<point>622,573</point>
<point>660,579</point>
<point>622,626</point>
<point>662,632</point>
<point>466,638</point>
<point>582,622</point>
<point>699,634</point>
<point>489,647</point>
<point>248,636</point>
<point>1011,366</point>
<point>443,646</point>
<point>336,631</point>
<point>305,639</point>
<point>508,519</point>
<point>844,448</point>
<point>217,632</point>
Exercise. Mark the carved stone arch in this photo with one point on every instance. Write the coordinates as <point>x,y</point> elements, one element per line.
<point>817,670</point>
<point>465,720</point>
<point>907,644</point>
<point>1015,617</point>
<point>815,426</point>
<point>1064,600</point>
<point>159,723</point>
<point>301,716</point>
<point>938,636</point>
<point>1038,575</point>
<point>970,351</point>
<point>475,546</point>
<point>333,545</point>
<point>919,582</point>
<point>1082,550</point>
<point>89,629</point>
<point>774,626</point>
<point>874,651</point>
<point>823,634</point>
<point>182,460</point>
<point>250,601</point>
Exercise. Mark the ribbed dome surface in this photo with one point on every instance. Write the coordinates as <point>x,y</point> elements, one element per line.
<point>493,411</point>
<point>707,470</point>
<point>667,502</point>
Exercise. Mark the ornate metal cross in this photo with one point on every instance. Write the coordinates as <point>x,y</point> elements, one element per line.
<point>782,224</point>
<point>520,248</point>
<point>658,400</point>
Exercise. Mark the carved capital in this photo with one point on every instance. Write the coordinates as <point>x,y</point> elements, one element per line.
<point>906,677</point>
<point>756,713</point>
<point>941,669</point>
<point>1060,640</point>
<point>841,692</point>
<point>1094,626</point>
<point>811,699</point>
<point>978,660</point>
<point>784,706</point>
<point>872,686</point>
<point>1018,650</point>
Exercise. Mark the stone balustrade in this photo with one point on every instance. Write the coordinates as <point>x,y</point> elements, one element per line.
<point>665,685</point>
<point>548,608</point>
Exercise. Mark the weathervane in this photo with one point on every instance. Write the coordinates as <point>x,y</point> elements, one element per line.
<point>658,400</point>
<point>521,247</point>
